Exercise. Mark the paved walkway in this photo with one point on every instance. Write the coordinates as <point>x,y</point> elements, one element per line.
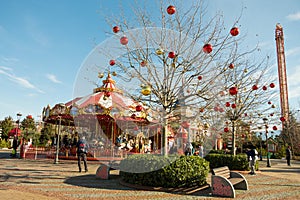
<point>42,180</point>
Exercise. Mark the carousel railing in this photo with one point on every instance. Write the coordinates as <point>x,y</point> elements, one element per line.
<point>94,153</point>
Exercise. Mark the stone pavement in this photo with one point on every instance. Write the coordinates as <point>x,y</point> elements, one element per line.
<point>42,180</point>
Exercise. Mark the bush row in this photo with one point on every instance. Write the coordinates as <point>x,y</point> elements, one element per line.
<point>164,171</point>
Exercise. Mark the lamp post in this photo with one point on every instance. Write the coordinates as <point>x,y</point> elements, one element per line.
<point>260,146</point>
<point>57,142</point>
<point>268,157</point>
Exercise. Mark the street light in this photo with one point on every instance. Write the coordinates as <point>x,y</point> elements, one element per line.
<point>57,142</point>
<point>268,157</point>
<point>260,146</point>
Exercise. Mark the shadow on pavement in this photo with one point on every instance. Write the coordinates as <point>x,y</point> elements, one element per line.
<point>115,183</point>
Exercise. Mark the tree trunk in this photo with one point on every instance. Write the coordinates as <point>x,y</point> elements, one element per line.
<point>164,141</point>
<point>233,138</point>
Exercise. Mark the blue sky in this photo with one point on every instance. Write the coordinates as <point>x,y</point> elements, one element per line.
<point>44,43</point>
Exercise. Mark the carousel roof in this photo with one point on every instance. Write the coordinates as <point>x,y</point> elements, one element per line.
<point>105,100</point>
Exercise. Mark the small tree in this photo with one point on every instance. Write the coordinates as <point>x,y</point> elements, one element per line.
<point>6,125</point>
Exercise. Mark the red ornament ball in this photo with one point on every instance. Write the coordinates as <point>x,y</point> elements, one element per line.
<point>143,63</point>
<point>226,129</point>
<point>264,87</point>
<point>272,85</point>
<point>282,119</point>
<point>254,87</point>
<point>233,105</point>
<point>29,117</point>
<point>124,40</point>
<point>269,102</point>
<point>171,10</point>
<point>221,110</point>
<point>275,128</point>
<point>107,94</point>
<point>231,66</point>
<point>199,78</point>
<point>216,108</point>
<point>172,54</point>
<point>234,31</point>
<point>116,29</point>
<point>139,108</point>
<point>233,90</point>
<point>112,62</point>
<point>207,48</point>
<point>227,104</point>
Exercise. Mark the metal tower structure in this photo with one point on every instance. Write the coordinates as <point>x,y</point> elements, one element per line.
<point>284,100</point>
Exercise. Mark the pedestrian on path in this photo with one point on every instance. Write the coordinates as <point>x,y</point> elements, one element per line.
<point>252,158</point>
<point>82,150</point>
<point>288,153</point>
<point>15,146</point>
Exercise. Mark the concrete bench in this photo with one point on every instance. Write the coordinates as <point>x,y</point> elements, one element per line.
<point>224,182</point>
<point>103,170</point>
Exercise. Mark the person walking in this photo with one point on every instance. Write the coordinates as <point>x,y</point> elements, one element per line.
<point>288,153</point>
<point>82,150</point>
<point>15,145</point>
<point>252,158</point>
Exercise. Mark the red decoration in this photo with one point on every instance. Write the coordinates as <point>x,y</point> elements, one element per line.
<point>133,116</point>
<point>207,48</point>
<point>201,109</point>
<point>233,90</point>
<point>221,109</point>
<point>216,108</point>
<point>275,128</point>
<point>233,105</point>
<point>199,78</point>
<point>116,29</point>
<point>234,31</point>
<point>282,119</point>
<point>139,108</point>
<point>112,62</point>
<point>231,66</point>
<point>172,54</point>
<point>271,114</point>
<point>29,117</point>
<point>171,10</point>
<point>124,40</point>
<point>107,94</point>
<point>269,102</point>
<point>227,104</point>
<point>226,129</point>
<point>272,85</point>
<point>143,63</point>
<point>264,87</point>
<point>254,87</point>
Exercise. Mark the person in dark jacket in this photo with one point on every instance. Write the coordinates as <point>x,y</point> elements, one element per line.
<point>288,153</point>
<point>82,150</point>
<point>15,146</point>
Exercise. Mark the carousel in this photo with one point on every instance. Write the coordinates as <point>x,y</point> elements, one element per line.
<point>113,123</point>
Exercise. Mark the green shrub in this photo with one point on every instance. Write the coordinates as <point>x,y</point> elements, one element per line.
<point>4,144</point>
<point>238,162</point>
<point>161,171</point>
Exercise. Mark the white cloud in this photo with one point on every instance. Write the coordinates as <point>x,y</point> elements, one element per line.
<point>8,72</point>
<point>294,16</point>
<point>8,60</point>
<point>53,78</point>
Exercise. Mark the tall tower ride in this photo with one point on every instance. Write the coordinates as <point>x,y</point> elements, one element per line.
<point>284,99</point>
